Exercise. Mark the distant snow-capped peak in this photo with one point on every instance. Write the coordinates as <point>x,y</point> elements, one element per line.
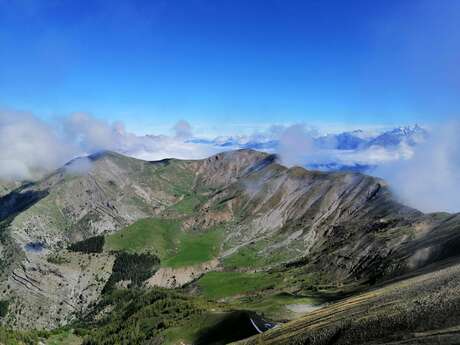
<point>350,140</point>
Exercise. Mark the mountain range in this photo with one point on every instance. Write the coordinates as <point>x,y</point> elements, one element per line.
<point>234,232</point>
<point>352,140</point>
<point>345,151</point>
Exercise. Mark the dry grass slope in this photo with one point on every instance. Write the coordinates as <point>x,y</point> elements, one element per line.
<point>422,309</point>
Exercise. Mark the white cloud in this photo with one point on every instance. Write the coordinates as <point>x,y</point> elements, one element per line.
<point>79,166</point>
<point>156,147</point>
<point>30,147</point>
<point>430,179</point>
<point>183,130</point>
<point>374,155</point>
<point>296,144</point>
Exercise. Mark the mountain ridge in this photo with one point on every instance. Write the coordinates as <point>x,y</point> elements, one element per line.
<point>344,227</point>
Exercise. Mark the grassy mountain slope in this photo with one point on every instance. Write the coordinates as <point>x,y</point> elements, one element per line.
<point>236,228</point>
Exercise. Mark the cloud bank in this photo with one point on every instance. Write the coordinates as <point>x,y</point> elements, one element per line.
<point>30,147</point>
<point>429,180</point>
<point>303,146</point>
<point>425,176</point>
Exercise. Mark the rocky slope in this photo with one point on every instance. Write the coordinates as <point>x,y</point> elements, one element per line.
<point>8,186</point>
<point>345,226</point>
<point>342,223</point>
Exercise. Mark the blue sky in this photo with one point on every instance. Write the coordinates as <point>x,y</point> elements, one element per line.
<point>245,64</point>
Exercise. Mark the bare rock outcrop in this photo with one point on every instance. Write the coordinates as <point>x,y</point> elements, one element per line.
<point>168,277</point>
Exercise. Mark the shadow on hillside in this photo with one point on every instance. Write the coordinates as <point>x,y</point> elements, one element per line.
<point>18,201</point>
<point>233,327</point>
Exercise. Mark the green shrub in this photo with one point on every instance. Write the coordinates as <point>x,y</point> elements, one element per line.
<point>57,259</point>
<point>90,245</point>
<point>134,267</point>
<point>4,304</point>
<point>140,317</point>
<point>10,337</point>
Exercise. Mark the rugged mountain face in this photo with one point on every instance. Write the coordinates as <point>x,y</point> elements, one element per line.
<point>344,223</point>
<point>346,227</point>
<point>39,221</point>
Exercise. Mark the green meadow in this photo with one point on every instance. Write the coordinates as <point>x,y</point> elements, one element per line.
<point>225,284</point>
<point>164,238</point>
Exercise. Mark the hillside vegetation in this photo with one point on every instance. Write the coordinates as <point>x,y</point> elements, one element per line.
<point>164,238</point>
<point>422,309</point>
<point>233,234</point>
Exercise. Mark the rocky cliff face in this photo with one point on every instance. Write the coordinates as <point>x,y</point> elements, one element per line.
<point>347,225</point>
